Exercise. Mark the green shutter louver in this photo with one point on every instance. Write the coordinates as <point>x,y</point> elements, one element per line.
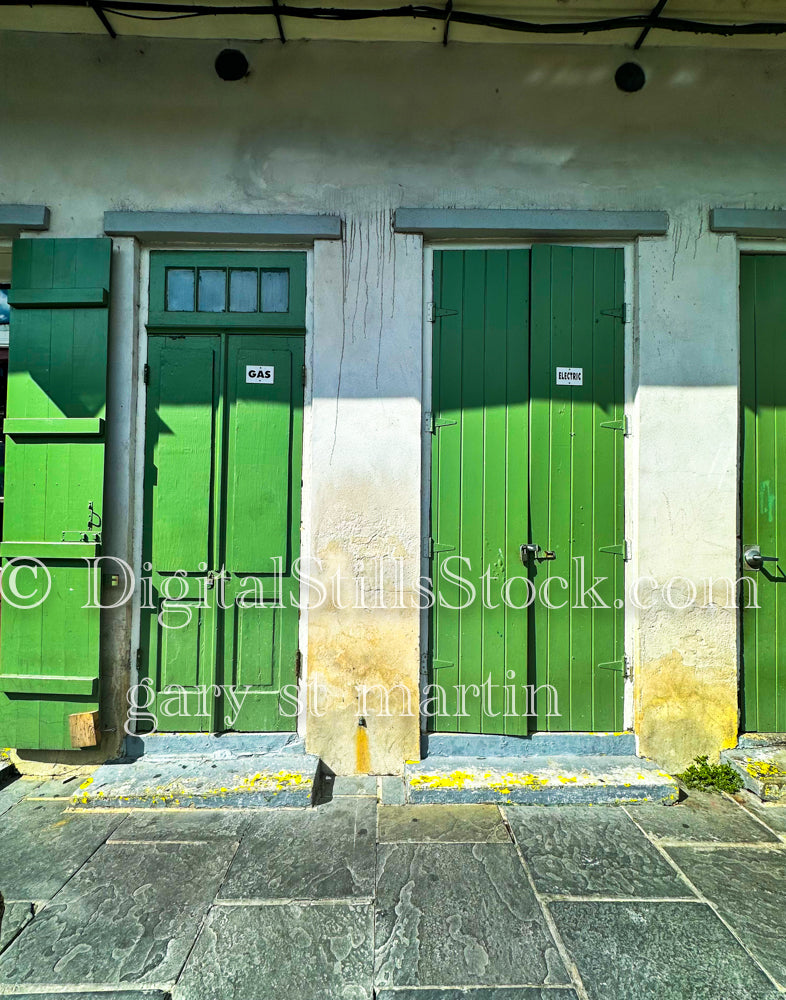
<point>54,476</point>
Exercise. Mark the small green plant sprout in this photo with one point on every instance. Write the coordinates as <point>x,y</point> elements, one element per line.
<point>710,777</point>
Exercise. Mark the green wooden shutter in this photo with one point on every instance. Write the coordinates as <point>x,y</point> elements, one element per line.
<point>54,475</point>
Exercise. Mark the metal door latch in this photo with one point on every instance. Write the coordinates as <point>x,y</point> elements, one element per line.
<point>754,559</point>
<point>529,553</point>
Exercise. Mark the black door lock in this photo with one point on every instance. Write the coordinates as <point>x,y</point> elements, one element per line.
<point>529,553</point>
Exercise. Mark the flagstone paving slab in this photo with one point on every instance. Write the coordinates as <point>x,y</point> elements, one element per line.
<point>185,824</point>
<point>701,817</point>
<point>43,845</point>
<point>393,791</point>
<point>749,889</point>
<point>103,995</point>
<point>309,952</point>
<point>582,850</point>
<point>322,853</point>
<point>359,784</point>
<point>15,791</point>
<point>16,916</point>
<point>68,788</point>
<point>514,993</point>
<point>129,916</point>
<point>460,914</point>
<point>774,816</point>
<point>447,824</point>
<point>658,951</point>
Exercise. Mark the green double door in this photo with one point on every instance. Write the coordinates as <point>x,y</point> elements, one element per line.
<point>527,491</point>
<point>222,528</point>
<point>763,488</point>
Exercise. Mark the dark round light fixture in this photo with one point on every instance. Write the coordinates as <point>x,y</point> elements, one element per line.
<point>630,77</point>
<point>231,64</point>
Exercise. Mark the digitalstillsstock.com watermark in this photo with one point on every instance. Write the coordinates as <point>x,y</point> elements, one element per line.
<point>174,596</point>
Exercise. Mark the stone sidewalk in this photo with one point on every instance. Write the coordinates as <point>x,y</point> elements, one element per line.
<point>356,899</point>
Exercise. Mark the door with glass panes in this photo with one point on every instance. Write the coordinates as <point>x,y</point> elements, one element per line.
<point>225,376</point>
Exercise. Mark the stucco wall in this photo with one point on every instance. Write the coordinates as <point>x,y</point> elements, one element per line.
<point>90,124</point>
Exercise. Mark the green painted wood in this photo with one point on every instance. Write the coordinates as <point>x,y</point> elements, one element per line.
<point>258,456</point>
<point>233,449</point>
<point>294,319</point>
<point>54,483</point>
<point>763,431</point>
<point>58,298</point>
<point>51,550</point>
<point>181,438</point>
<point>45,426</point>
<point>517,458</point>
<point>182,471</point>
<point>261,538</point>
<point>577,486</point>
<point>479,503</point>
<point>47,684</point>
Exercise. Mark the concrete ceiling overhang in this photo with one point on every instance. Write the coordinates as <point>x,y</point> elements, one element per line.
<point>725,23</point>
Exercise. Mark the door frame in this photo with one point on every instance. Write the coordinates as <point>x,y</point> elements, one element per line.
<point>631,446</point>
<point>138,443</point>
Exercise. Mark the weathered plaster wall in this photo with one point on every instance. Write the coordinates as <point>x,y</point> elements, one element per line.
<point>685,661</point>
<point>366,498</point>
<point>89,124</point>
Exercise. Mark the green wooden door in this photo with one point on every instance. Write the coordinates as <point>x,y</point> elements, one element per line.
<point>763,486</point>
<point>222,528</point>
<point>576,488</point>
<point>519,459</point>
<point>54,483</point>
<point>222,531</point>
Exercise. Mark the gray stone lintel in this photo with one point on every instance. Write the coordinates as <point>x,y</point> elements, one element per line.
<point>447,223</point>
<point>166,227</point>
<point>15,219</point>
<point>749,221</point>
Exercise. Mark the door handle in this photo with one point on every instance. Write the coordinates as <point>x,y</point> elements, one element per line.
<point>529,552</point>
<point>754,558</point>
<point>210,580</point>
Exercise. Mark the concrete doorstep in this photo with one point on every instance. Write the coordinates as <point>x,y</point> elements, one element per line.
<point>249,781</point>
<point>761,763</point>
<point>552,780</point>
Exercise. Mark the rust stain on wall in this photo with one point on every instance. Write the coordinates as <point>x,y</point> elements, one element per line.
<point>362,756</point>
<point>363,664</point>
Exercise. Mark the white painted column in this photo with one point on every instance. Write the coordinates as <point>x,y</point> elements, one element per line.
<point>365,489</point>
<point>686,418</point>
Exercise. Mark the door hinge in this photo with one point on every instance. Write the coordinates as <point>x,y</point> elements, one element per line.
<point>617,425</point>
<point>620,666</point>
<point>432,423</point>
<point>619,313</point>
<point>436,312</point>
<point>298,666</point>
<point>146,374</point>
<point>616,550</point>
<point>303,376</point>
<point>434,548</point>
